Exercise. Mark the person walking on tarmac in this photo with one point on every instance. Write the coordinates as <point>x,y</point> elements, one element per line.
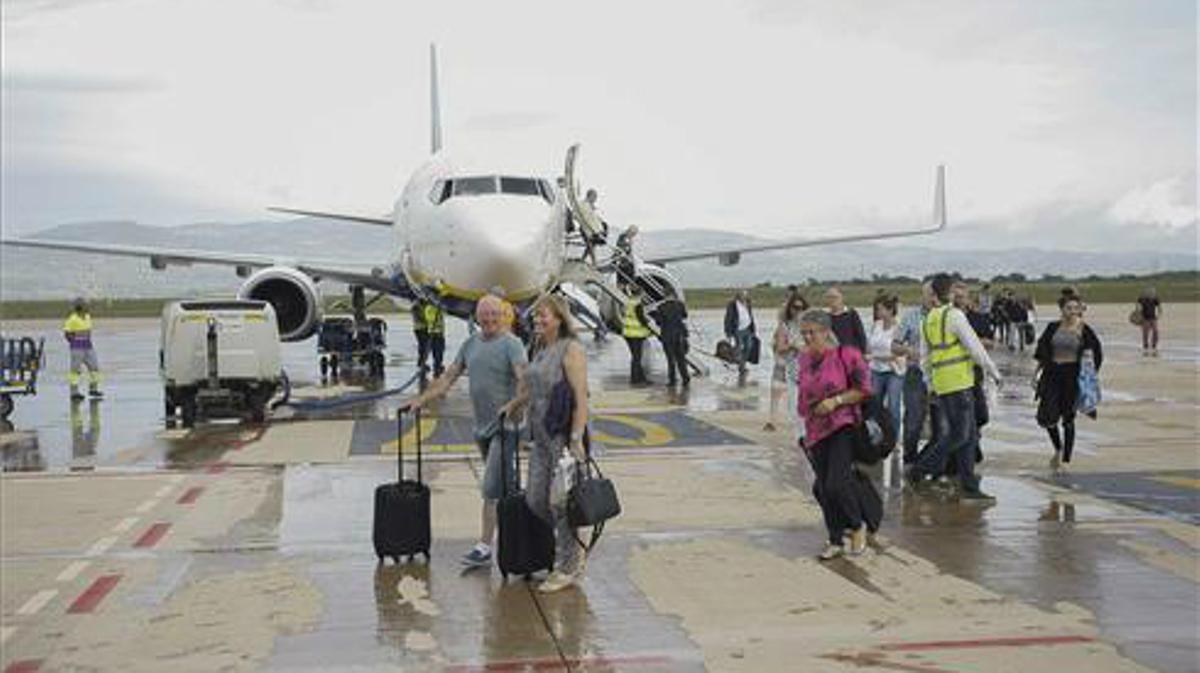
<point>949,351</point>
<point>670,315</point>
<point>77,330</point>
<point>494,361</point>
<point>1065,345</point>
<point>635,329</point>
<point>739,327</point>
<point>429,326</point>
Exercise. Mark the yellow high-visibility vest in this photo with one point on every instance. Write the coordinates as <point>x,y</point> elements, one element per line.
<point>634,328</point>
<point>950,361</point>
<point>435,320</point>
<point>78,328</point>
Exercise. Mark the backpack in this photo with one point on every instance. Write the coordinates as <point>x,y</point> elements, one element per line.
<point>875,429</point>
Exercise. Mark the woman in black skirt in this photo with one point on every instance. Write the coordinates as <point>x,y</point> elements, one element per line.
<point>1062,346</point>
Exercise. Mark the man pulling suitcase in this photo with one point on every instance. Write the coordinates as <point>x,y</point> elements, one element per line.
<point>495,361</point>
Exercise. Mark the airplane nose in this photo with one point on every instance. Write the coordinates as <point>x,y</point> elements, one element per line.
<point>506,242</point>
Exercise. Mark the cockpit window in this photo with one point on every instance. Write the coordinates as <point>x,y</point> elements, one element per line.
<point>477,185</point>
<point>522,186</point>
<point>473,186</point>
<point>440,191</point>
<point>547,191</point>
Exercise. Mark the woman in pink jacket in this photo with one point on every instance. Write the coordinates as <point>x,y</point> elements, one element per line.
<point>833,381</point>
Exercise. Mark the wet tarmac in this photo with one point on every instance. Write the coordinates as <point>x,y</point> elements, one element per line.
<point>130,547</point>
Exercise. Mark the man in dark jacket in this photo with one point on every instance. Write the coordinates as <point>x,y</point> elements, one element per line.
<point>739,327</point>
<point>847,326</point>
<point>670,315</point>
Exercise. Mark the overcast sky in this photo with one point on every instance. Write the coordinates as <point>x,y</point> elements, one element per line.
<point>1068,123</point>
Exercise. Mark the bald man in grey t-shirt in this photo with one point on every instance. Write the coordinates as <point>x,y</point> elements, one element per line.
<point>494,361</point>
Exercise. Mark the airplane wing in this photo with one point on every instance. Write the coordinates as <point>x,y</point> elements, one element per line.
<point>729,256</point>
<point>161,258</point>
<point>377,220</point>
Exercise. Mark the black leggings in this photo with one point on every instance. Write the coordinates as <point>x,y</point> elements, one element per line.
<point>1067,442</point>
<point>836,489</point>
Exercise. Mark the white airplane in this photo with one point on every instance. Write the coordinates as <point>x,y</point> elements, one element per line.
<point>462,228</point>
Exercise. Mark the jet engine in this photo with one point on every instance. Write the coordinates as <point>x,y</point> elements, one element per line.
<point>293,295</point>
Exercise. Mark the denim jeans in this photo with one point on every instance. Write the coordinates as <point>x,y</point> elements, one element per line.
<point>957,436</point>
<point>915,403</point>
<point>888,386</point>
<point>743,337</point>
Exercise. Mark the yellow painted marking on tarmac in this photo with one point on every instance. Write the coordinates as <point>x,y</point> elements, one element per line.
<point>1184,482</point>
<point>146,506</point>
<point>428,427</point>
<point>72,571</point>
<point>6,633</point>
<point>37,602</point>
<point>653,434</point>
<point>163,491</point>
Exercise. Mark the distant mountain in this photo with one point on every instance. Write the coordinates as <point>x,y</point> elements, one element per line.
<point>37,274</point>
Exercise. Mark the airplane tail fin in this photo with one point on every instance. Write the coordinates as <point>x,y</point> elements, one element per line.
<point>435,108</point>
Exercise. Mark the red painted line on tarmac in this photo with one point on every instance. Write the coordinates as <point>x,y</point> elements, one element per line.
<point>91,597</point>
<point>986,642</point>
<point>26,666</point>
<point>190,495</point>
<point>152,535</point>
<point>555,663</point>
<point>217,468</point>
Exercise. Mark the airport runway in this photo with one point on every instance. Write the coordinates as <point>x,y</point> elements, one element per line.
<point>128,547</point>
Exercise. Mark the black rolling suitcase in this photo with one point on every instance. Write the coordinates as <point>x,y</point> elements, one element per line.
<point>402,509</point>
<point>525,542</point>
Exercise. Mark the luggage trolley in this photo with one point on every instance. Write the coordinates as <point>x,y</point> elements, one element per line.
<point>20,360</point>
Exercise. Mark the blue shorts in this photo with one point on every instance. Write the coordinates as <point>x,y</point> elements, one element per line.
<point>490,487</point>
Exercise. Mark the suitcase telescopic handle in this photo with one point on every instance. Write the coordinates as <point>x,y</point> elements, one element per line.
<point>400,444</point>
<point>503,462</point>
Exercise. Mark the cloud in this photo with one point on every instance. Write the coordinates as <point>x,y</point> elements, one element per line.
<point>1164,203</point>
<point>506,122</point>
<point>72,83</point>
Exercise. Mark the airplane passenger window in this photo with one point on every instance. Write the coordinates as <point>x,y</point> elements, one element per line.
<point>523,186</point>
<point>472,186</point>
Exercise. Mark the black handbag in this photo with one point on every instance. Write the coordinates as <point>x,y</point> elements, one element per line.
<point>592,500</point>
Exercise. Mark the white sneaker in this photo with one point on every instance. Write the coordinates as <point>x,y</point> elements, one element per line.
<point>556,581</point>
<point>831,552</point>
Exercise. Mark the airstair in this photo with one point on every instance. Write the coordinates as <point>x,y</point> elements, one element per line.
<point>613,274</point>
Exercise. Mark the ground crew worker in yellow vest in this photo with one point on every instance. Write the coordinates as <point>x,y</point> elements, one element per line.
<point>77,330</point>
<point>949,352</point>
<point>635,330</point>
<point>429,326</point>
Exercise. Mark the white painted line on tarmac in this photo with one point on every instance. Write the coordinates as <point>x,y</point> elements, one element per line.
<point>101,546</point>
<point>163,491</point>
<point>126,524</point>
<point>39,601</point>
<point>175,478</point>
<point>146,506</point>
<point>6,633</point>
<point>72,571</point>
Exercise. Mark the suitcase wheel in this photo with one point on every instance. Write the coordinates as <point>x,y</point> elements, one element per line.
<point>504,576</point>
<point>396,560</point>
